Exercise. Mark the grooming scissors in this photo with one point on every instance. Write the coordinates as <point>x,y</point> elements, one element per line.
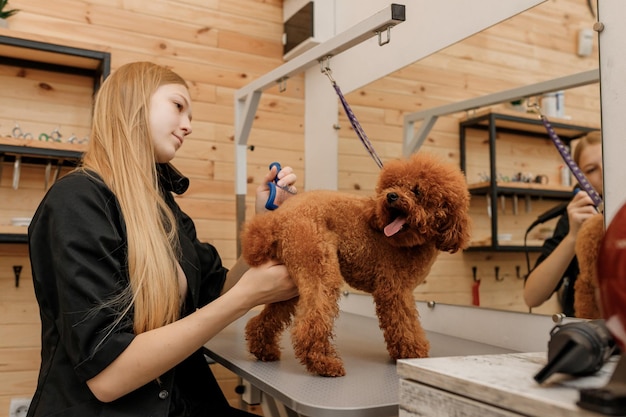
<point>271,200</point>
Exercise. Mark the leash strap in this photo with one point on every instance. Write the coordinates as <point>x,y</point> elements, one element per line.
<point>353,120</point>
<point>357,126</point>
<point>580,176</point>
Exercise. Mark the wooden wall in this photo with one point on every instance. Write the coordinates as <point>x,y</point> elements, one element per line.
<point>220,46</point>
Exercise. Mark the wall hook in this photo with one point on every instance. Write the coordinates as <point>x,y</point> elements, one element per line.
<point>282,84</point>
<point>475,288</point>
<point>17,270</point>
<point>474,270</point>
<point>497,271</point>
<point>382,41</point>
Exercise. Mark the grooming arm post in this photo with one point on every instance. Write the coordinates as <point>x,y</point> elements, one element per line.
<point>248,97</point>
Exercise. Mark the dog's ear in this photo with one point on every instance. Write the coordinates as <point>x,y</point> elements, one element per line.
<point>455,233</point>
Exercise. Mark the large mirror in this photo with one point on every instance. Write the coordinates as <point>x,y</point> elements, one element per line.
<point>540,44</point>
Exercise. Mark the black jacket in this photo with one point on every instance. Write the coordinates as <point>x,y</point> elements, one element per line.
<point>565,286</point>
<point>77,243</point>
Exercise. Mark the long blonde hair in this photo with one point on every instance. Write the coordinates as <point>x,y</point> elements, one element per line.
<point>122,153</point>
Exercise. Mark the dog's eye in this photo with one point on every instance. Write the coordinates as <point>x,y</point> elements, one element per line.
<point>417,191</point>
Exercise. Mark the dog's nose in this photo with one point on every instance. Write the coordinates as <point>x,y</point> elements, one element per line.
<point>392,197</point>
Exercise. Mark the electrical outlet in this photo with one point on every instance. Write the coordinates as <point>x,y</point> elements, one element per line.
<point>19,407</point>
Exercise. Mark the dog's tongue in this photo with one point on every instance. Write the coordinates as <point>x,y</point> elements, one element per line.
<point>395,226</point>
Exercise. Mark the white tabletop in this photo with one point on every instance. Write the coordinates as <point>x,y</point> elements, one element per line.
<point>370,386</point>
<point>507,381</point>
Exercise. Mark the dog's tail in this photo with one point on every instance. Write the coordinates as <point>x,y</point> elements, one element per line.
<point>258,240</point>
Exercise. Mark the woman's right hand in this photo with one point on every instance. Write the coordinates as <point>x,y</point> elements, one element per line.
<point>286,178</point>
<point>578,210</point>
<point>267,283</point>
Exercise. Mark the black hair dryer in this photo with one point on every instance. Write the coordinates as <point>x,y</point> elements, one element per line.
<point>579,348</point>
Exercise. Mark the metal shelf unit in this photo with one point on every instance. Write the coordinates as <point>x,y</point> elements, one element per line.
<point>492,123</point>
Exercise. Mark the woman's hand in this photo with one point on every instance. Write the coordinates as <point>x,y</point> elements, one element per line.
<point>286,178</point>
<point>152,353</point>
<point>264,284</point>
<point>578,210</point>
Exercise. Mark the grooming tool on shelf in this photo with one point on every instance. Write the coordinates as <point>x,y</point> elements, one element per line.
<point>54,136</point>
<point>47,175</point>
<point>275,196</point>
<point>57,171</point>
<point>18,133</point>
<point>17,167</point>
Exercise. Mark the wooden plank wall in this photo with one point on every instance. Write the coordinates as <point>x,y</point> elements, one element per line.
<point>220,46</point>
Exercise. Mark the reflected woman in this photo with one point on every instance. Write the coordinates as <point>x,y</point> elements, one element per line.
<point>557,267</point>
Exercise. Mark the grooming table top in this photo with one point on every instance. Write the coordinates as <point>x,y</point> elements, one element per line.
<point>371,384</point>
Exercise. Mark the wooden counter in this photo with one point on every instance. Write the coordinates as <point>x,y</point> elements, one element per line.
<point>500,385</point>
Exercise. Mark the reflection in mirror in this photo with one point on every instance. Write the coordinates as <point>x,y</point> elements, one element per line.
<point>508,55</point>
<point>568,267</point>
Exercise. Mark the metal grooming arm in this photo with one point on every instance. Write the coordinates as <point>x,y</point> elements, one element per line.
<point>247,98</point>
<point>413,140</point>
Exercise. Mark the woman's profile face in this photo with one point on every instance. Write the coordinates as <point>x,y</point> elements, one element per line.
<point>170,120</point>
<point>591,165</point>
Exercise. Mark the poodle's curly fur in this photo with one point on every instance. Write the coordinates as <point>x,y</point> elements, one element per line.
<point>384,245</point>
<point>588,244</point>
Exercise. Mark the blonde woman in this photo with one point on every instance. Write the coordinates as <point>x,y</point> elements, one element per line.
<point>556,268</point>
<point>127,294</point>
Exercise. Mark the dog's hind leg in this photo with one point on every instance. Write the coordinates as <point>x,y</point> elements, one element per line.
<point>319,281</point>
<point>313,330</point>
<point>399,320</point>
<point>263,331</point>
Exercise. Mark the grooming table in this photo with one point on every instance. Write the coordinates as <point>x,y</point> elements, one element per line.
<point>369,389</point>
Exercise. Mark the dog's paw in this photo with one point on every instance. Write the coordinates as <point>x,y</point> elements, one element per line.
<point>406,351</point>
<point>266,354</point>
<point>262,341</point>
<point>329,367</point>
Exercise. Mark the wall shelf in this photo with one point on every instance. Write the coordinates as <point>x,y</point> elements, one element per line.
<point>35,152</point>
<point>521,188</point>
<point>39,149</point>
<point>27,53</point>
<point>50,57</point>
<point>13,234</point>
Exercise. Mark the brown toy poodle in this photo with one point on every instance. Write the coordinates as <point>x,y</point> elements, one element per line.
<point>588,242</point>
<point>384,245</point>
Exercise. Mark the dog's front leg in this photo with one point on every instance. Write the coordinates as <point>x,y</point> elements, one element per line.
<point>399,320</point>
